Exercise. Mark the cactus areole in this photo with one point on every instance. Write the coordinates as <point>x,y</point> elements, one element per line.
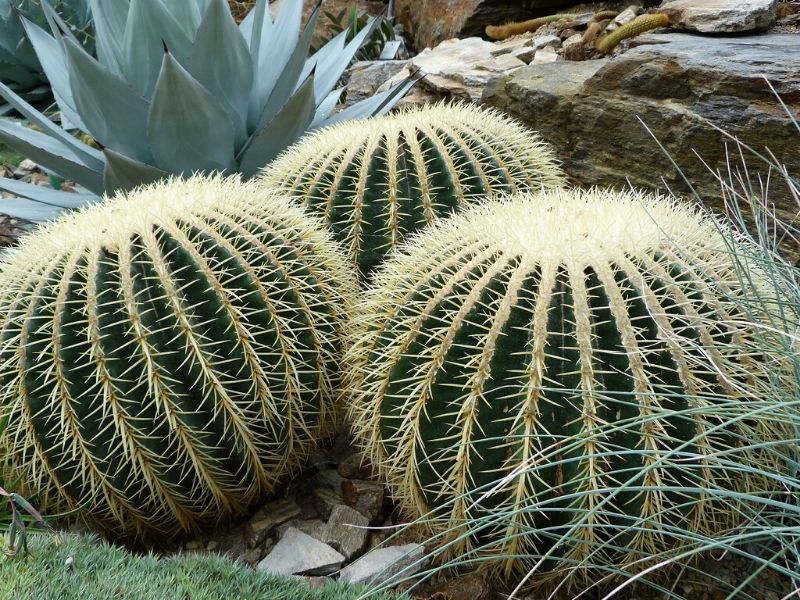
<point>169,355</point>
<point>548,364</point>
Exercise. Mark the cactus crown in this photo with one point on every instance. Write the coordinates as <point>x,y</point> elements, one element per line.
<point>378,180</point>
<point>554,347</point>
<point>167,355</point>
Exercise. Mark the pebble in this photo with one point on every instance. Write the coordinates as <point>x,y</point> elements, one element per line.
<point>299,554</point>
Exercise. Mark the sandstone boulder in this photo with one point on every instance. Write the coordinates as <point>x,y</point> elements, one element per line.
<point>678,86</point>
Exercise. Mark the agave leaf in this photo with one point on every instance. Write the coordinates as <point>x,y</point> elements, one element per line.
<point>57,24</point>
<point>188,14</point>
<point>30,210</point>
<point>274,49</point>
<point>221,63</point>
<point>54,64</point>
<point>114,114</point>
<point>334,46</point>
<point>149,27</point>
<point>88,155</point>
<point>326,108</point>
<point>51,153</point>
<point>330,66</point>
<point>289,80</point>
<point>379,104</point>
<point>188,128</point>
<point>109,25</point>
<point>287,126</point>
<point>123,173</point>
<point>45,195</point>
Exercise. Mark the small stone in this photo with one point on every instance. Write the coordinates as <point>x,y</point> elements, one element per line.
<point>507,46</point>
<point>194,545</point>
<point>545,55</point>
<point>721,16</point>
<point>312,527</point>
<point>251,557</point>
<point>324,501</point>
<point>385,565</point>
<point>366,497</point>
<point>300,554</point>
<point>346,531</point>
<point>626,16</point>
<point>573,48</point>
<point>543,41</point>
<point>354,467</point>
<point>270,516</point>
<point>212,545</point>
<point>28,165</point>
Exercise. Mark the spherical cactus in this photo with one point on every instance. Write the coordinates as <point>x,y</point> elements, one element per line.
<point>169,355</point>
<point>551,376</point>
<point>378,180</point>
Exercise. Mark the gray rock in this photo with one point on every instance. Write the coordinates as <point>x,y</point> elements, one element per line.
<point>354,467</point>
<point>385,565</point>
<point>573,48</point>
<point>722,16</point>
<point>460,68</point>
<point>346,531</point>
<point>430,22</point>
<point>300,554</point>
<point>270,516</point>
<point>325,500</point>
<point>312,527</point>
<point>366,497</point>
<point>588,110</point>
<point>544,56</point>
<point>367,76</point>
<point>543,41</point>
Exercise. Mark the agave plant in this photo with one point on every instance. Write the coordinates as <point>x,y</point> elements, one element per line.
<point>20,69</point>
<point>177,87</point>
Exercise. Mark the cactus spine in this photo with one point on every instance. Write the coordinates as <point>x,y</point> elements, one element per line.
<point>554,347</point>
<point>168,356</point>
<point>377,181</point>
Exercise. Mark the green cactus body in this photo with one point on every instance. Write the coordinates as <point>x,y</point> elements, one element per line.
<point>544,345</point>
<point>169,355</point>
<point>377,181</point>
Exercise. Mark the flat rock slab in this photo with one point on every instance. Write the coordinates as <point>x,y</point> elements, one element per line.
<point>385,565</point>
<point>678,84</point>
<point>300,554</point>
<point>721,16</point>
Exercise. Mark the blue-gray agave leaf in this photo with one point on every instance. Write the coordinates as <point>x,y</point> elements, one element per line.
<point>176,87</point>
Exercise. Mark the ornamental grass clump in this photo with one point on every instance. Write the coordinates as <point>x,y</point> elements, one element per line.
<point>562,388</point>
<point>168,356</point>
<point>378,180</point>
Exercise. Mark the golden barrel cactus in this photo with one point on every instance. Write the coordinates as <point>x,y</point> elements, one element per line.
<point>562,376</point>
<point>167,356</point>
<point>376,181</point>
